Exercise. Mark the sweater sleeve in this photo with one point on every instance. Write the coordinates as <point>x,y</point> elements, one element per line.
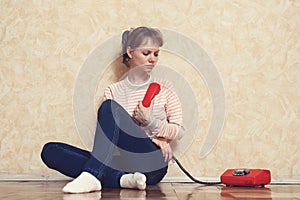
<point>161,142</point>
<point>170,128</point>
<point>108,93</point>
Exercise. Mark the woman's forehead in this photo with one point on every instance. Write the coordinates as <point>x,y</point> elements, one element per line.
<point>149,43</point>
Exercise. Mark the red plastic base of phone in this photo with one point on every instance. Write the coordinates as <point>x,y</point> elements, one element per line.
<point>256,178</point>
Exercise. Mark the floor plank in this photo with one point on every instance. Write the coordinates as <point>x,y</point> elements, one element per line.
<point>170,191</point>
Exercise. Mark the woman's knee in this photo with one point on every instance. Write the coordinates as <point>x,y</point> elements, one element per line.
<point>105,106</point>
<point>108,106</point>
<point>48,152</point>
<point>46,149</point>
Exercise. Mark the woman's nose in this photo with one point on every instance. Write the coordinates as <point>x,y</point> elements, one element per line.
<point>152,58</point>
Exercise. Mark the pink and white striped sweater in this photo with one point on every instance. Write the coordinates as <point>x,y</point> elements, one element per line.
<point>166,123</point>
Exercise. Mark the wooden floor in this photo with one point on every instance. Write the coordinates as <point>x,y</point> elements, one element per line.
<point>181,191</point>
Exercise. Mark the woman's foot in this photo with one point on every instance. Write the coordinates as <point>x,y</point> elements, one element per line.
<point>85,182</point>
<point>136,180</point>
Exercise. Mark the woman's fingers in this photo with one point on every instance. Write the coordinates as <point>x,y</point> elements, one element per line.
<point>167,153</point>
<point>142,114</point>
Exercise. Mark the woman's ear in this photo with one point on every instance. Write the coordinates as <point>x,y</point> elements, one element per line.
<point>129,52</point>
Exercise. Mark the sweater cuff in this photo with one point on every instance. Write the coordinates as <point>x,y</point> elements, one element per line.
<point>153,123</point>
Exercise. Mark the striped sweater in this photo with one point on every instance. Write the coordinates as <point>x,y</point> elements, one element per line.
<point>166,123</point>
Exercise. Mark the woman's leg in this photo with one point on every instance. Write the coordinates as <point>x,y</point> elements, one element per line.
<point>70,160</point>
<point>66,159</point>
<point>156,176</point>
<point>153,177</point>
<point>116,128</point>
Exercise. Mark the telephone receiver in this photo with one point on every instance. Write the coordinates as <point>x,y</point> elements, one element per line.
<point>152,91</point>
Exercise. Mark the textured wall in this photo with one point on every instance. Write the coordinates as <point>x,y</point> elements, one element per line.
<point>254,44</point>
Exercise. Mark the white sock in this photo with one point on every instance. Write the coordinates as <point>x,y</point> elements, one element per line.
<point>85,182</point>
<point>136,180</point>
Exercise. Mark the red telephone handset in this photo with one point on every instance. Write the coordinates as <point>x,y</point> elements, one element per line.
<point>152,91</point>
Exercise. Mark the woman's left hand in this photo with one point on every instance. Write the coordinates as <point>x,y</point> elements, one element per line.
<point>142,115</point>
<point>167,153</point>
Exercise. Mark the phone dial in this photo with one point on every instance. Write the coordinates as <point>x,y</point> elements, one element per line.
<point>240,172</point>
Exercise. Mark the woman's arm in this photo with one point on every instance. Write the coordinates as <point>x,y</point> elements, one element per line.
<point>171,127</point>
<point>108,93</point>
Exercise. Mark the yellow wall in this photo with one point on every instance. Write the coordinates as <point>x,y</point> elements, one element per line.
<point>255,46</point>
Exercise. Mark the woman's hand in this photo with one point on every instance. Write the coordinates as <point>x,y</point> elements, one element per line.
<point>142,115</point>
<point>167,153</point>
<point>165,147</point>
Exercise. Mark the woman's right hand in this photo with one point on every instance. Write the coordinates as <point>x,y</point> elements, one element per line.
<point>142,115</point>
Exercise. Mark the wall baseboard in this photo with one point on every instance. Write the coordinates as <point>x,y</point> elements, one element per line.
<point>59,177</point>
<point>292,181</point>
<point>33,177</point>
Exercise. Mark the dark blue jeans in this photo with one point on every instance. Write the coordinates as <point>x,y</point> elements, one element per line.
<point>115,130</point>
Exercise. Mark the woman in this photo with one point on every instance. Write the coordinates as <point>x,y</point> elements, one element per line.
<point>141,136</point>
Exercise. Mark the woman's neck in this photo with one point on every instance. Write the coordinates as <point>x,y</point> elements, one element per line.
<point>138,79</point>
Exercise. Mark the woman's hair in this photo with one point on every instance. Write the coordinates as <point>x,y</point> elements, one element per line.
<point>136,37</point>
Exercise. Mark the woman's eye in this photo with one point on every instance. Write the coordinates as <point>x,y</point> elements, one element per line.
<point>146,53</point>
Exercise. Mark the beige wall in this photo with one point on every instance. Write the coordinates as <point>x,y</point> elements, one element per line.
<point>255,46</point>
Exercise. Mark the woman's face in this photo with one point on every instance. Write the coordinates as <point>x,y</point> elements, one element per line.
<point>145,56</point>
